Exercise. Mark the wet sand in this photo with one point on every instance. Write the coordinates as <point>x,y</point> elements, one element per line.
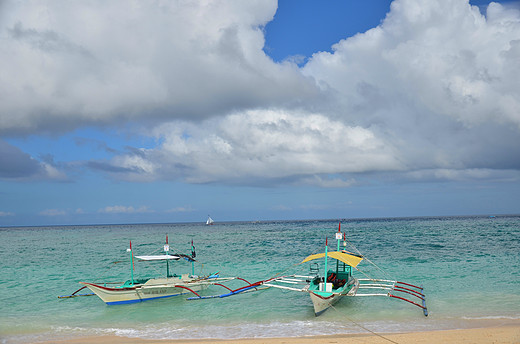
<point>498,334</point>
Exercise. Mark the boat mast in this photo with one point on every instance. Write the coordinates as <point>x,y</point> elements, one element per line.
<point>132,262</point>
<point>347,268</point>
<point>193,259</point>
<point>338,237</point>
<point>326,256</point>
<point>166,249</point>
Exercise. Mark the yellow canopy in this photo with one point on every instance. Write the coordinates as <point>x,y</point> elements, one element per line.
<point>344,257</point>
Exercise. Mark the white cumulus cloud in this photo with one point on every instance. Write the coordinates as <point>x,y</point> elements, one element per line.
<point>259,144</point>
<point>67,64</point>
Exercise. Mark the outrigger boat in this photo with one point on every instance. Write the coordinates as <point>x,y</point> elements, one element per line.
<point>138,290</point>
<point>324,291</point>
<point>327,290</point>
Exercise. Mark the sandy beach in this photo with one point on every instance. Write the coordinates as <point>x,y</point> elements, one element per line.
<point>509,333</point>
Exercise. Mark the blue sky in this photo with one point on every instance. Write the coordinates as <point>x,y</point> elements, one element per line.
<point>270,110</point>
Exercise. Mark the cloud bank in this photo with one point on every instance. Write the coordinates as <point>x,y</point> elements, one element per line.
<point>118,209</point>
<point>17,165</point>
<point>94,63</point>
<point>433,92</point>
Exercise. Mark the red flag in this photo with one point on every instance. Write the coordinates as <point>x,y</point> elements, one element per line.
<point>339,228</point>
<point>326,241</point>
<point>166,238</point>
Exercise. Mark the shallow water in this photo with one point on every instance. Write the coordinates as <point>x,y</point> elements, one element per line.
<point>469,267</point>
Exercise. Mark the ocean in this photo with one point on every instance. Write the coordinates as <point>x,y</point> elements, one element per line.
<point>469,267</point>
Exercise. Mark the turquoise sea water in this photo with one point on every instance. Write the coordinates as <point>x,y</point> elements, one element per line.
<point>469,267</point>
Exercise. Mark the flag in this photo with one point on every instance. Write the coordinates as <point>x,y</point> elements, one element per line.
<point>193,254</point>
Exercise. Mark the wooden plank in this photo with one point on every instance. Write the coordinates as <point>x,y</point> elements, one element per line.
<point>282,287</point>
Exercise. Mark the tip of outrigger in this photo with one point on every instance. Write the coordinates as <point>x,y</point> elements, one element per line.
<point>425,310</point>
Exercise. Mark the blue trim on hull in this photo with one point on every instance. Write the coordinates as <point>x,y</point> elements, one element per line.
<point>321,312</point>
<point>141,300</point>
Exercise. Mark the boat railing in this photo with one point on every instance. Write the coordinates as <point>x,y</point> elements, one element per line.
<point>314,268</point>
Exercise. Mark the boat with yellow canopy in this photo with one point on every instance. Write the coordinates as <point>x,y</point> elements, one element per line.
<point>339,281</point>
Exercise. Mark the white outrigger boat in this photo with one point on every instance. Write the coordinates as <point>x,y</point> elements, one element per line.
<point>138,290</point>
<point>327,290</point>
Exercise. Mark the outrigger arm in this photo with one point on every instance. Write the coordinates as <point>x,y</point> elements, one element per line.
<point>249,287</point>
<point>394,286</point>
<point>74,294</point>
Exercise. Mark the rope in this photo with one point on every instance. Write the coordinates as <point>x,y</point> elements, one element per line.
<point>288,268</point>
<point>106,270</point>
<point>363,327</point>
<point>283,271</point>
<point>370,278</point>
<point>368,260</point>
<point>156,270</point>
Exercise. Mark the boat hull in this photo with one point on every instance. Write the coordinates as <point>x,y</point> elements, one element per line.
<point>322,300</point>
<point>151,290</point>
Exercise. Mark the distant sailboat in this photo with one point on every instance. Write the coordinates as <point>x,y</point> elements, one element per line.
<point>209,221</point>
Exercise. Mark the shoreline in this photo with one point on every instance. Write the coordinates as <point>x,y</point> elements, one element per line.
<point>501,334</point>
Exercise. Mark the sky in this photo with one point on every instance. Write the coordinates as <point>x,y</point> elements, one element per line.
<point>170,111</point>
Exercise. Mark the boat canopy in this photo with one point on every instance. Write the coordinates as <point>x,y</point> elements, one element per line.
<point>344,257</point>
<point>159,257</point>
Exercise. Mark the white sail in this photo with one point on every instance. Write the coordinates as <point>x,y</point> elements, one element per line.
<point>209,221</point>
